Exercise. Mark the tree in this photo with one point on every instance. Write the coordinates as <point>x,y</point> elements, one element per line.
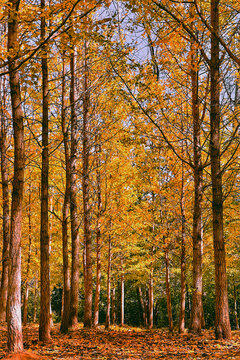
<point>85,192</point>
<point>222,322</point>
<point>5,200</point>
<point>44,322</point>
<point>98,232</point>
<point>14,322</point>
<point>73,320</point>
<point>65,209</point>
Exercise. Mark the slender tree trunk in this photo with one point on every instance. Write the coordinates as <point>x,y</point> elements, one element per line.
<point>65,212</point>
<point>122,296</point>
<point>168,292</point>
<point>86,205</point>
<point>98,238</point>
<point>222,323</point>
<point>143,306</point>
<point>50,248</point>
<point>98,282</point>
<point>35,300</point>
<point>107,324</point>
<point>5,202</point>
<point>188,303</point>
<point>73,320</point>
<point>62,305</point>
<point>25,305</point>
<point>25,299</point>
<point>197,306</point>
<point>15,340</point>
<point>44,321</point>
<point>183,260</point>
<point>84,261</point>
<point>235,304</point>
<point>147,304</point>
<point>151,300</point>
<point>114,306</point>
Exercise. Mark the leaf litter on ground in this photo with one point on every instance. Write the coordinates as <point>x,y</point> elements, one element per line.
<point>125,343</point>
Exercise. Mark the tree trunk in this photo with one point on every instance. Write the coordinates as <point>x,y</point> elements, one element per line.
<point>188,303</point>
<point>222,323</point>
<point>151,300</point>
<point>73,320</point>
<point>168,292</point>
<point>114,306</point>
<point>25,299</point>
<point>122,296</point>
<point>65,212</point>
<point>35,300</point>
<point>86,205</point>
<point>15,340</point>
<point>183,261</point>
<point>143,306</point>
<point>197,306</point>
<point>5,204</point>
<point>44,321</point>
<point>98,237</point>
<point>107,324</point>
<point>235,304</point>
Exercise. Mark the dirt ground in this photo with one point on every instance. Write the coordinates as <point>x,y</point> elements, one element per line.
<point>126,343</point>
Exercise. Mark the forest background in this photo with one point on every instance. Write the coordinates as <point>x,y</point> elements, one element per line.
<point>120,164</point>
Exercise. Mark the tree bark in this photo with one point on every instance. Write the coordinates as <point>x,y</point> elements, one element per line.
<point>14,322</point>
<point>107,324</point>
<point>44,321</point>
<point>143,306</point>
<point>35,300</point>
<point>168,292</point>
<point>114,306</point>
<point>151,299</point>
<point>183,261</point>
<point>25,299</point>
<point>98,238</point>
<point>222,323</point>
<point>197,306</point>
<point>122,296</point>
<point>65,212</point>
<point>86,204</point>
<point>5,204</point>
<point>235,303</point>
<point>73,320</point>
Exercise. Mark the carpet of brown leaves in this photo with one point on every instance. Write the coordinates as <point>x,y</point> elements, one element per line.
<point>127,343</point>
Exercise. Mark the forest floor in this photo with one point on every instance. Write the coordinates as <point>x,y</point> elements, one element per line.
<point>126,343</point>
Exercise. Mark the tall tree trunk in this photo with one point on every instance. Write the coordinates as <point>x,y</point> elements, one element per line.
<point>44,321</point>
<point>15,340</point>
<point>25,299</point>
<point>98,237</point>
<point>73,319</point>
<point>183,259</point>
<point>35,299</point>
<point>168,292</point>
<point>107,324</point>
<point>188,303</point>
<point>235,303</point>
<point>197,306</point>
<point>122,296</point>
<point>114,305</point>
<point>5,202</point>
<point>222,323</point>
<point>85,189</point>
<point>65,212</point>
<point>151,300</point>
<point>143,306</point>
